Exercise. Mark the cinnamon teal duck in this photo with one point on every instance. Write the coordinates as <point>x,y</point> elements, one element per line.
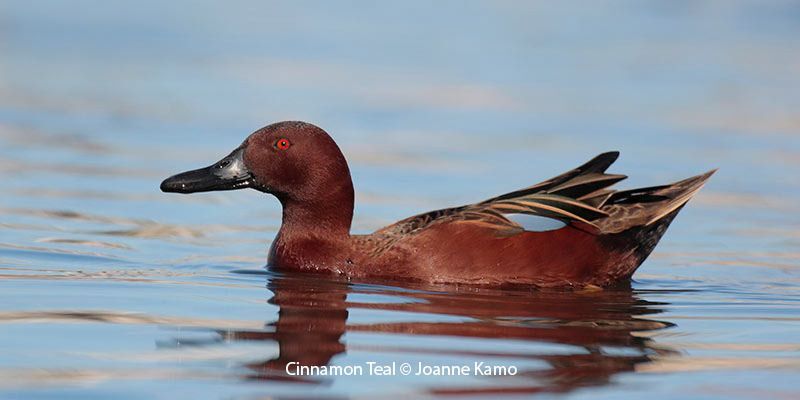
<point>572,230</point>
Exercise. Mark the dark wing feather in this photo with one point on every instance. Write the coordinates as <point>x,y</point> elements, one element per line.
<point>561,197</point>
<point>586,184</point>
<point>598,198</point>
<point>574,183</point>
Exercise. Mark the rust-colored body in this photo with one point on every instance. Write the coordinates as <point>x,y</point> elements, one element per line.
<point>469,254</point>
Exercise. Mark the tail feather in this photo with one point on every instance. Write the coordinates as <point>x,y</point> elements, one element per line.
<point>679,193</point>
<point>638,219</point>
<point>645,206</point>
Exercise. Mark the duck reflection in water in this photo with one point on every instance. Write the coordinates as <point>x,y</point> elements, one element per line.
<point>313,314</point>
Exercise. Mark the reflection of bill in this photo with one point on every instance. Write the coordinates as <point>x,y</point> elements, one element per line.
<point>598,334</point>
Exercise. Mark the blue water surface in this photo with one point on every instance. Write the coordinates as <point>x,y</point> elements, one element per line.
<point>111,289</point>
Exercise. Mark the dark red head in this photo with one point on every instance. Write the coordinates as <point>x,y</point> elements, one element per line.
<point>295,161</point>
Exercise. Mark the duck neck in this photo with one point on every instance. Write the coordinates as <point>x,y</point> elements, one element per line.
<point>327,214</point>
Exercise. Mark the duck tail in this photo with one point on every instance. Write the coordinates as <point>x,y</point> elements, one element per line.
<point>678,194</point>
<point>649,212</point>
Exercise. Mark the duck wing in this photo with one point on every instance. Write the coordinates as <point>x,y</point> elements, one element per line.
<point>574,197</point>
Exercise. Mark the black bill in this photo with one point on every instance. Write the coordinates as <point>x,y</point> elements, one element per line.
<point>230,173</point>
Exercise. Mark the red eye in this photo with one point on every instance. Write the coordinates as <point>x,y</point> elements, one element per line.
<point>282,144</point>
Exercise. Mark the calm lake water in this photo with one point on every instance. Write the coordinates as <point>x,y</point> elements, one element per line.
<point>111,289</point>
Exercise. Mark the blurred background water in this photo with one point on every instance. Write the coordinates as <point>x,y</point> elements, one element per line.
<point>110,288</point>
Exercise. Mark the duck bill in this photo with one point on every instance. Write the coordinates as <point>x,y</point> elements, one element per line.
<point>230,173</point>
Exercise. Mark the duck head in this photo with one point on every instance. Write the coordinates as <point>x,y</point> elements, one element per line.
<point>297,162</point>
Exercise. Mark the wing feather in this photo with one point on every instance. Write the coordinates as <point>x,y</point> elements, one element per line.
<point>560,198</point>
